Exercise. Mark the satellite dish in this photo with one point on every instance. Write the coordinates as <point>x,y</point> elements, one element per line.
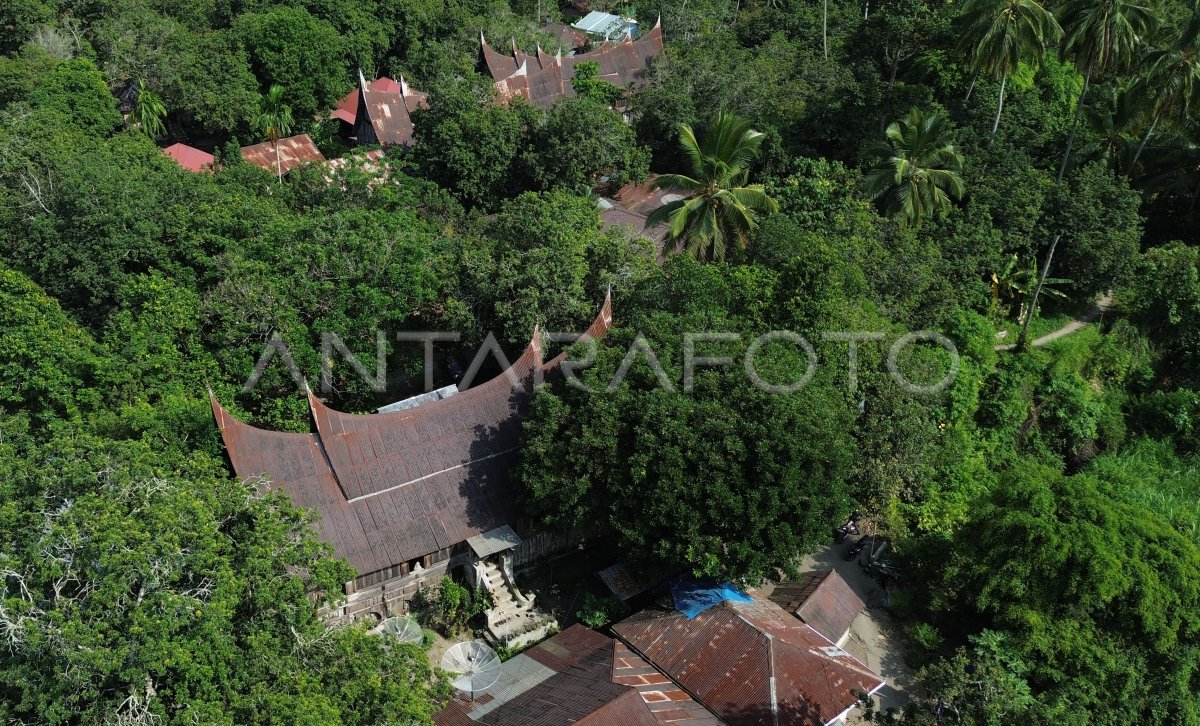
<point>476,667</point>
<point>668,198</point>
<point>405,630</point>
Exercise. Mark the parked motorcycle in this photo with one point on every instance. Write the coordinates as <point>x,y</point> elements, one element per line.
<point>857,548</point>
<point>850,527</point>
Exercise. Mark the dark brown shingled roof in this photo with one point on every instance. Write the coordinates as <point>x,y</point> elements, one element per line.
<point>387,111</point>
<point>823,600</point>
<point>543,79</point>
<point>393,487</point>
<point>597,681</point>
<point>752,664</point>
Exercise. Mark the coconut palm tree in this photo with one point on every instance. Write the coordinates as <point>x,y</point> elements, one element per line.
<point>274,120</point>
<point>999,35</point>
<point>1169,89</point>
<point>716,204</point>
<point>918,171</point>
<point>148,111</point>
<point>1101,36</point>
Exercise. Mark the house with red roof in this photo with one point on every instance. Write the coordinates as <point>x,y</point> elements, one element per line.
<point>578,677</point>
<point>751,663</point>
<point>190,158</point>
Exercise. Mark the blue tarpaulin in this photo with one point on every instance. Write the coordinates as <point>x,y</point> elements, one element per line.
<point>693,597</point>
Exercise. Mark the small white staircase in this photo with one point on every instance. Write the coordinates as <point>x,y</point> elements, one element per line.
<point>512,620</point>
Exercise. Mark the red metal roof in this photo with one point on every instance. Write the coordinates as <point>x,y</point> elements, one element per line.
<point>823,600</point>
<point>752,664</point>
<point>597,681</point>
<point>392,487</point>
<point>189,157</point>
<point>293,151</point>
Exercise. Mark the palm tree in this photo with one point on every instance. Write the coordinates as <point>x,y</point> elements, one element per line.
<point>918,172</point>
<point>1101,36</point>
<point>1169,90</point>
<point>148,111</point>
<point>275,121</point>
<point>716,205</point>
<point>998,35</point>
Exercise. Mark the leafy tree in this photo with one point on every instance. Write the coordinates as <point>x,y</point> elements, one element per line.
<point>919,171</point>
<point>1098,213</point>
<point>158,590</point>
<point>289,47</point>
<point>1096,596</point>
<point>581,141</point>
<point>997,36</point>
<point>76,90</point>
<point>1164,299</point>
<point>726,479</point>
<point>587,83</point>
<point>149,111</point>
<point>472,146</point>
<point>1102,36</point>
<point>717,205</point>
<point>274,120</point>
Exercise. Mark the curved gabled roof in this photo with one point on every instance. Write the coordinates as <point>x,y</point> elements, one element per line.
<point>392,487</point>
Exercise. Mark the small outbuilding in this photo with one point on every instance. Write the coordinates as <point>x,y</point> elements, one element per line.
<point>823,600</point>
<point>293,151</point>
<point>190,158</point>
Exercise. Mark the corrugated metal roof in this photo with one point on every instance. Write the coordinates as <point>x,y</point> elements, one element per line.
<point>823,600</point>
<point>623,583</point>
<point>393,487</point>
<point>595,680</point>
<point>493,541</point>
<point>753,664</point>
<point>293,151</point>
<point>543,79</point>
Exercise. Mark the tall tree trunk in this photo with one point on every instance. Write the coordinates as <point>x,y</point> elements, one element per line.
<point>1141,147</point>
<point>278,167</point>
<point>1087,78</point>
<point>1023,339</point>
<point>1000,106</point>
<point>971,88</point>
<point>891,84</point>
<point>825,29</point>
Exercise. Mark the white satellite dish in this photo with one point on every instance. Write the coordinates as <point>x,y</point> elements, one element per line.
<point>476,667</point>
<point>668,198</point>
<point>405,630</point>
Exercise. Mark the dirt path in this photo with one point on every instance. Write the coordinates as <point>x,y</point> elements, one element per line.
<point>1093,314</point>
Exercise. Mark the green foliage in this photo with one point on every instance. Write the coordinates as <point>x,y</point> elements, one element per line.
<point>471,146</point>
<point>578,143</point>
<point>453,607</point>
<point>76,90</point>
<point>1093,592</point>
<point>918,172</point>
<point>289,47</point>
<point>726,479</point>
<point>160,589</point>
<point>1164,300</point>
<point>1098,215</point>
<point>717,205</point>
<point>587,83</point>
<point>597,612</point>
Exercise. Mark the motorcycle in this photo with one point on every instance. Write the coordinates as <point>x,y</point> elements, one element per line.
<point>846,530</point>
<point>857,548</point>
